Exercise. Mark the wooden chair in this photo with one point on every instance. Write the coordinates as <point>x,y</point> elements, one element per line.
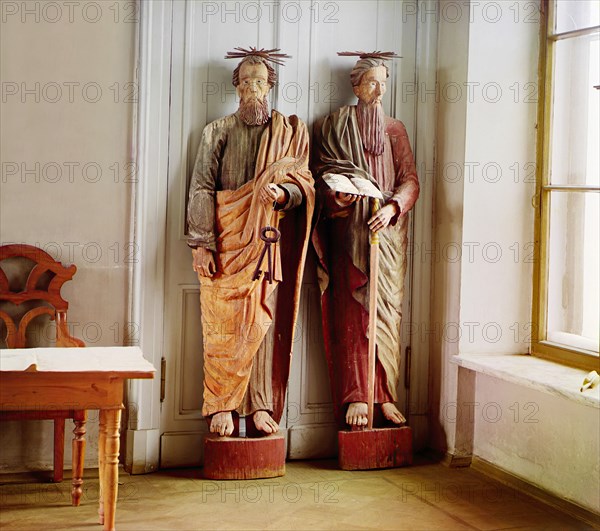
<point>43,285</point>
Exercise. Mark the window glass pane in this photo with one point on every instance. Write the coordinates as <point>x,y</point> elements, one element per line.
<point>576,14</point>
<point>576,112</point>
<point>573,269</point>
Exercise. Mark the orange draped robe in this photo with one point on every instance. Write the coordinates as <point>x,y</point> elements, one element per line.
<point>237,312</point>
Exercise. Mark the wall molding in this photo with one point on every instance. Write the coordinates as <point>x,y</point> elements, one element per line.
<point>151,137</point>
<point>507,478</point>
<point>422,220</point>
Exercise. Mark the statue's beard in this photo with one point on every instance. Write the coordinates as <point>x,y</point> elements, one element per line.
<point>372,126</point>
<point>254,112</point>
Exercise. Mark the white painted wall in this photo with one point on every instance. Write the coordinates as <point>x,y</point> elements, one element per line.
<point>490,51</point>
<point>544,439</point>
<point>499,149</point>
<point>66,103</point>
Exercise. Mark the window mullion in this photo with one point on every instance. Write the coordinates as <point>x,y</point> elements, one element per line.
<point>571,188</point>
<point>574,33</point>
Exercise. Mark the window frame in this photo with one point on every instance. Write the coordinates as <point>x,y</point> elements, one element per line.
<point>540,346</point>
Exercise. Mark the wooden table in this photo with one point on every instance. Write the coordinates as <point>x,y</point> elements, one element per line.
<point>77,378</point>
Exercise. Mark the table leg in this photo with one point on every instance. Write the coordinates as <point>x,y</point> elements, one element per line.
<point>101,463</point>
<point>78,446</point>
<point>59,450</point>
<point>110,420</point>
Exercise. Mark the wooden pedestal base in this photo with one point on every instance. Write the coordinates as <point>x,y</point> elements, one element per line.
<point>244,458</point>
<point>377,448</point>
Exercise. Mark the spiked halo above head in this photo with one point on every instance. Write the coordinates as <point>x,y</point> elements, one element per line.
<point>384,56</point>
<point>267,55</point>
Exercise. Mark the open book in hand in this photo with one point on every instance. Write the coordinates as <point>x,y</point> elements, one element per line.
<point>356,185</point>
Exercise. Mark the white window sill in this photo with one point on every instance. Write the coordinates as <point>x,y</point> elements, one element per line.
<point>534,373</point>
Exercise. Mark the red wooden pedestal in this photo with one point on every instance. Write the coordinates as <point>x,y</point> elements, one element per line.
<point>244,458</point>
<point>376,448</point>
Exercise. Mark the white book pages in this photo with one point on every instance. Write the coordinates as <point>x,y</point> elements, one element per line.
<point>366,187</point>
<point>356,185</point>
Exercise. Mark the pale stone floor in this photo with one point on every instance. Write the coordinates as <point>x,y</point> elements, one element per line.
<point>312,495</point>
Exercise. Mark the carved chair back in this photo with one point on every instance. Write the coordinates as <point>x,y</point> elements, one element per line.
<point>34,290</point>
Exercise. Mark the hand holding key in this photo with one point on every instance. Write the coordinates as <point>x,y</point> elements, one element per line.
<point>267,250</point>
<point>271,193</point>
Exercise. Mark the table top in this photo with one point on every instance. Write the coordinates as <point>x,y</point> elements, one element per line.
<point>125,362</point>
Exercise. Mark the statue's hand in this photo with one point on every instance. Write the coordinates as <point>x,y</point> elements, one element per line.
<point>204,262</point>
<point>272,192</point>
<point>345,200</point>
<point>382,217</point>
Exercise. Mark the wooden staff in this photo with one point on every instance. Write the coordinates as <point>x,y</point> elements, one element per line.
<point>373,284</point>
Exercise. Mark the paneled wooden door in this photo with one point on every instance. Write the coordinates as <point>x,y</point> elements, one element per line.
<point>312,84</point>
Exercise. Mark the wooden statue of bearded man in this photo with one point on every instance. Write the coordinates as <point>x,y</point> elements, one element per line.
<point>360,141</point>
<point>251,172</point>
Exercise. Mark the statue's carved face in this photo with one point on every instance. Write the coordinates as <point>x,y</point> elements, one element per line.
<point>253,82</point>
<point>372,86</point>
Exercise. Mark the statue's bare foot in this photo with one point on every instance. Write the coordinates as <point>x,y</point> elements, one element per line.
<point>264,422</point>
<point>391,412</point>
<point>357,414</point>
<point>222,423</point>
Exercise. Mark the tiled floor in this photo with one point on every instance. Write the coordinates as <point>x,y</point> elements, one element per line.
<point>312,495</point>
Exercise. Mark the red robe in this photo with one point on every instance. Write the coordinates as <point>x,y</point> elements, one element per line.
<point>341,240</point>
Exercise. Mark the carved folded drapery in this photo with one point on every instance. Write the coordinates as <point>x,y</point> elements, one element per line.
<point>341,240</point>
<point>236,311</point>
